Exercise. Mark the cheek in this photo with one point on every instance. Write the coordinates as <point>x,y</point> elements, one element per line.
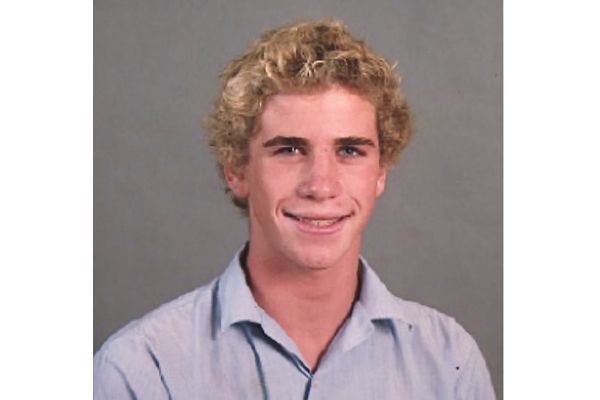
<point>266,189</point>
<point>365,185</point>
<point>277,181</point>
<point>362,193</point>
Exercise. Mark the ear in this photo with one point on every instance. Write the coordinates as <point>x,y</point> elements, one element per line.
<point>380,185</point>
<point>236,180</point>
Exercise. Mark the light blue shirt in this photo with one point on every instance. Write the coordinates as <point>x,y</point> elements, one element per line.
<point>217,343</point>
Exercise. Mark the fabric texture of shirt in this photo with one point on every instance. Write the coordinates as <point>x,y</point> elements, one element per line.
<point>217,343</point>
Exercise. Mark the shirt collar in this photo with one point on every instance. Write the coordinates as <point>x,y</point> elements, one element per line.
<point>378,303</point>
<point>237,304</point>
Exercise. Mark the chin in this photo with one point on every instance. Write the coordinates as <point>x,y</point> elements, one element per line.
<point>317,257</point>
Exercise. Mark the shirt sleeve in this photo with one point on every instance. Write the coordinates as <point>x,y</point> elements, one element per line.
<point>475,383</point>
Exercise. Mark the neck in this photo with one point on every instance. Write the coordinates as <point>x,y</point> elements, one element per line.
<point>309,304</point>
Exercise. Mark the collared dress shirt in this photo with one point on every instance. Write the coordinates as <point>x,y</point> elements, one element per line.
<point>217,343</point>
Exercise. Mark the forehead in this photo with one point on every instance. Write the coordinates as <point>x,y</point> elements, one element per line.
<point>332,111</point>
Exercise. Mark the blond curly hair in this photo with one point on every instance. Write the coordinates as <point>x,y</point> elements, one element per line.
<point>303,57</point>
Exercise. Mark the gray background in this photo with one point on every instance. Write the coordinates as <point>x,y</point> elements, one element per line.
<point>162,225</point>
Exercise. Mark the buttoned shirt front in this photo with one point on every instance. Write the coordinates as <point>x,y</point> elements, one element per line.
<point>217,343</point>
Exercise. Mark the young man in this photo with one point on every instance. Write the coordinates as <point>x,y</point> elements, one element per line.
<point>307,124</point>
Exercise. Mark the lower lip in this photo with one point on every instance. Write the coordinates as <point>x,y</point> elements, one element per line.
<point>307,227</point>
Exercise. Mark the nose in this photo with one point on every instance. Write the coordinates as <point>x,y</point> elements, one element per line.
<point>320,180</point>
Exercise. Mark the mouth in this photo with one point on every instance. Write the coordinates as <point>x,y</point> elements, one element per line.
<point>321,222</point>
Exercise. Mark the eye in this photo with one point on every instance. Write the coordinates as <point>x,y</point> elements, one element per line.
<point>289,150</point>
<point>350,151</point>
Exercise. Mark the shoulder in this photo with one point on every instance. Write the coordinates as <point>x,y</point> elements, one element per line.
<point>437,333</point>
<point>145,358</point>
<point>159,330</point>
<point>439,343</point>
<point>431,333</point>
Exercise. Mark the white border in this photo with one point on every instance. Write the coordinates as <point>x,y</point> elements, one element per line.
<point>46,213</point>
<point>551,176</point>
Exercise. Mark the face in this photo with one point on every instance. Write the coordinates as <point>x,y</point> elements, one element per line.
<point>312,178</point>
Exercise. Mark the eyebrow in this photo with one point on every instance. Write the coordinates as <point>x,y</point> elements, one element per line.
<point>298,141</point>
<point>354,141</point>
<point>286,141</point>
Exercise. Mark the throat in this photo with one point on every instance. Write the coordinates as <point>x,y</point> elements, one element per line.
<point>311,320</point>
<point>309,305</point>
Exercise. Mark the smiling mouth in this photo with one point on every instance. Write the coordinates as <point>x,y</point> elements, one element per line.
<point>317,222</point>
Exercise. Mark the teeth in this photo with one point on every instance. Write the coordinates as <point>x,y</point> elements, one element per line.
<point>320,222</point>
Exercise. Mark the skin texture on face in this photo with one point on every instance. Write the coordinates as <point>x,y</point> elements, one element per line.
<point>312,179</point>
